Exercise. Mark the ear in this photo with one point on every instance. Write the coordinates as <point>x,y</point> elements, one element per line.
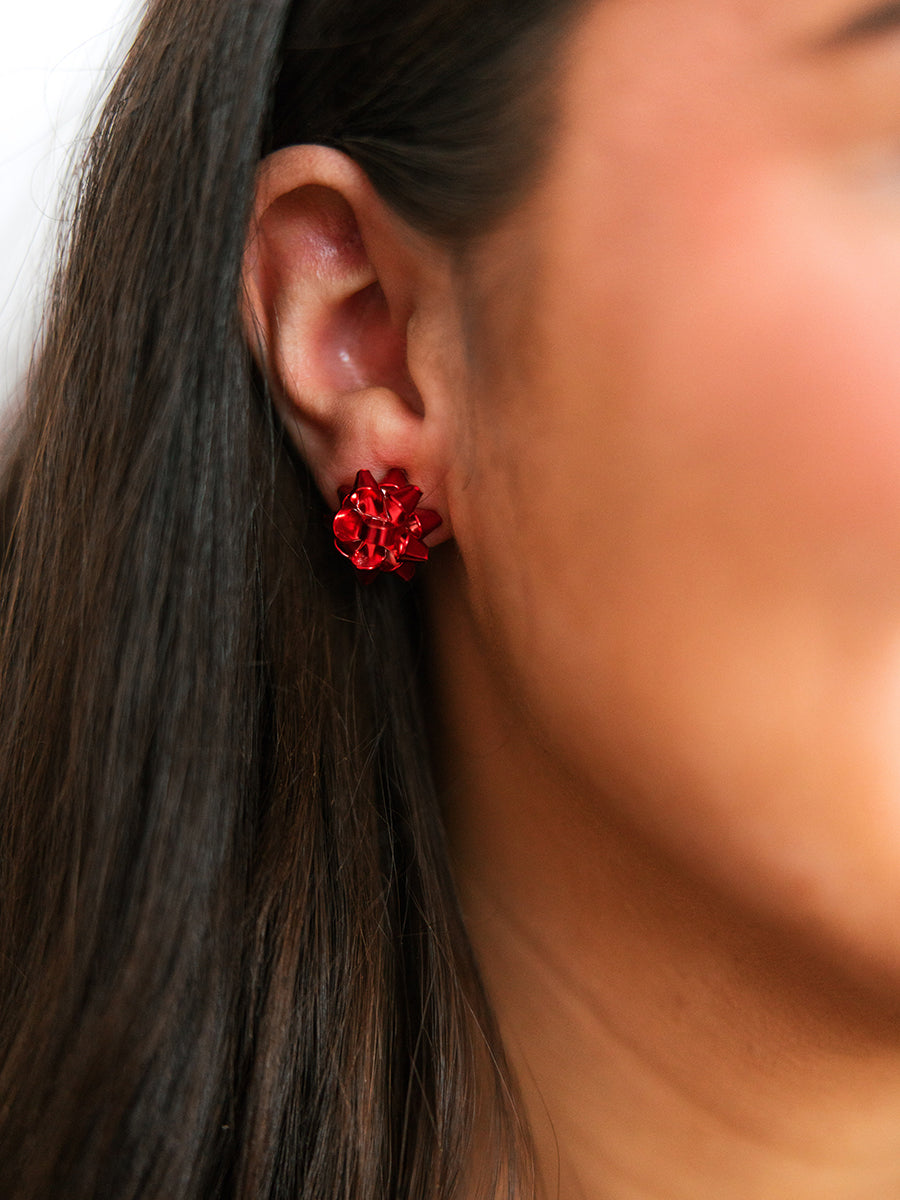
<point>349,313</point>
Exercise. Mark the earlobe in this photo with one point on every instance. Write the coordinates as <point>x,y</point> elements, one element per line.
<point>380,526</point>
<point>331,281</point>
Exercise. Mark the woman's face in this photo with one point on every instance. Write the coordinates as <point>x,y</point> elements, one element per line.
<point>679,513</point>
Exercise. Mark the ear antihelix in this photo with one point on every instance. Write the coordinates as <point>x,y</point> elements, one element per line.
<point>380,527</point>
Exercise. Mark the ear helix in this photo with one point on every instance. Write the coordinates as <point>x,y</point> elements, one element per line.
<point>380,527</point>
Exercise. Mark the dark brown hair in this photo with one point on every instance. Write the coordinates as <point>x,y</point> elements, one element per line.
<point>232,963</point>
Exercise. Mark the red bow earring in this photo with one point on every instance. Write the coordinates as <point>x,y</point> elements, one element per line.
<point>379,527</point>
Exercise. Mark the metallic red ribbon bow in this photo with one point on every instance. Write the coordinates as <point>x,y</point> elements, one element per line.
<point>377,526</point>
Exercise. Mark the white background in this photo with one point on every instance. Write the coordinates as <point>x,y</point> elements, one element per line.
<point>56,58</point>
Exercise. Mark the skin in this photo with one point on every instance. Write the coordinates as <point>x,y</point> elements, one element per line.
<point>674,754</point>
<point>667,635</point>
<point>680,515</point>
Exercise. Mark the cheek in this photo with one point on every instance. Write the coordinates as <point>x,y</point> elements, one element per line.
<point>723,404</point>
<point>686,552</point>
<point>783,373</point>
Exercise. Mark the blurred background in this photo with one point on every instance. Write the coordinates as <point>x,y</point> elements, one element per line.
<point>56,60</point>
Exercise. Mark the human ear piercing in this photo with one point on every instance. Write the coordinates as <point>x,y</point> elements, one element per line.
<point>379,526</point>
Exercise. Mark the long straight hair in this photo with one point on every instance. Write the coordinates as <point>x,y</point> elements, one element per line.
<point>231,961</point>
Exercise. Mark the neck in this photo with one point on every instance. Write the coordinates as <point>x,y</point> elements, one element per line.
<point>664,1044</point>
